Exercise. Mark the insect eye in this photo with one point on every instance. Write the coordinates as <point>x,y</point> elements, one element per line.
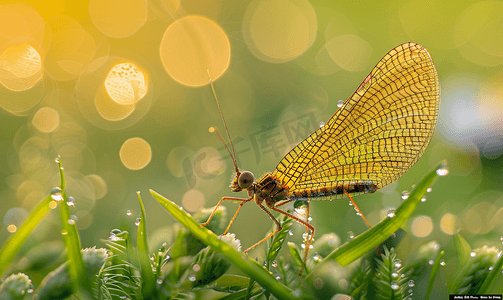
<point>246,179</point>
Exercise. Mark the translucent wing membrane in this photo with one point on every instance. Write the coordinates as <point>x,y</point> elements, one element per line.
<point>375,137</point>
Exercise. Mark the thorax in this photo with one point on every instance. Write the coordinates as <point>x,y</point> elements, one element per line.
<point>267,189</point>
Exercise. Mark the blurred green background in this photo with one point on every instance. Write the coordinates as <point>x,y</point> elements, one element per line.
<point>80,78</point>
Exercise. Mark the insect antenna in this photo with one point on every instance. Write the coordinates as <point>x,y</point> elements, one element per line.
<point>212,129</point>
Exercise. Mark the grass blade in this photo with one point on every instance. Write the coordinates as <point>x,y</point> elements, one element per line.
<point>433,274</point>
<point>463,249</point>
<point>71,238</point>
<point>241,261</point>
<point>148,281</point>
<point>491,278</point>
<point>14,243</point>
<point>371,238</point>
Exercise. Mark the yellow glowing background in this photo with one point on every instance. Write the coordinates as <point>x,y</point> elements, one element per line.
<point>120,90</point>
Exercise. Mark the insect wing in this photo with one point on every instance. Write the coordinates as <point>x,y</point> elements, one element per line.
<point>375,137</point>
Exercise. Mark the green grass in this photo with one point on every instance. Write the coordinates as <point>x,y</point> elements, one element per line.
<point>195,263</point>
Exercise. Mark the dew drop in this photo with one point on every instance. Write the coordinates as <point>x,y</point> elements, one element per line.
<point>351,234</point>
<point>431,261</point>
<point>71,222</point>
<point>394,285</point>
<point>391,212</point>
<point>316,257</point>
<point>397,265</point>
<point>274,264</point>
<point>29,291</point>
<point>137,221</point>
<point>423,199</point>
<point>472,254</point>
<point>112,237</point>
<point>56,160</point>
<point>409,291</point>
<point>405,195</point>
<point>442,171</point>
<point>350,203</point>
<point>428,190</point>
<point>164,244</point>
<point>442,263</point>
<point>491,268</point>
<point>192,278</point>
<point>290,232</point>
<point>115,231</point>
<point>277,276</point>
<point>70,201</point>
<point>64,232</point>
<point>159,280</point>
<point>128,212</point>
<point>394,275</point>
<point>56,194</point>
<point>340,103</point>
<point>322,124</point>
<point>196,267</point>
<point>411,283</point>
<point>403,276</point>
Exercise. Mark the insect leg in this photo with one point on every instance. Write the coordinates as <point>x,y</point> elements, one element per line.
<point>308,226</point>
<point>359,211</point>
<point>218,204</point>
<point>271,234</point>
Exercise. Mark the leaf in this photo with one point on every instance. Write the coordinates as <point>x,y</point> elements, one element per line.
<point>278,240</point>
<point>491,278</point>
<point>148,280</point>
<point>371,238</point>
<point>14,243</point>
<point>297,260</point>
<point>71,238</point>
<point>242,262</point>
<point>231,283</point>
<point>433,274</point>
<point>463,249</point>
<point>15,287</point>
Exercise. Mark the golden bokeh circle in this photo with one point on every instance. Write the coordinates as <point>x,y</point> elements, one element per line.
<point>278,31</point>
<point>192,47</point>
<point>422,226</point>
<point>126,84</point>
<point>99,184</point>
<point>46,119</point>
<point>22,60</point>
<point>193,200</point>
<point>135,153</point>
<point>350,52</point>
<point>448,223</point>
<point>118,19</point>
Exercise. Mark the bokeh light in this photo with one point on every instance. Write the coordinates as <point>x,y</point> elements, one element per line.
<point>109,93</point>
<point>193,200</point>
<point>46,119</point>
<point>72,49</point>
<point>99,185</point>
<point>126,83</point>
<point>192,47</point>
<point>135,153</point>
<point>118,19</point>
<point>278,31</point>
<point>422,226</point>
<point>448,223</point>
<point>350,52</point>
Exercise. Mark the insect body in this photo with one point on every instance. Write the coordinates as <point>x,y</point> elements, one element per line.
<point>372,139</point>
